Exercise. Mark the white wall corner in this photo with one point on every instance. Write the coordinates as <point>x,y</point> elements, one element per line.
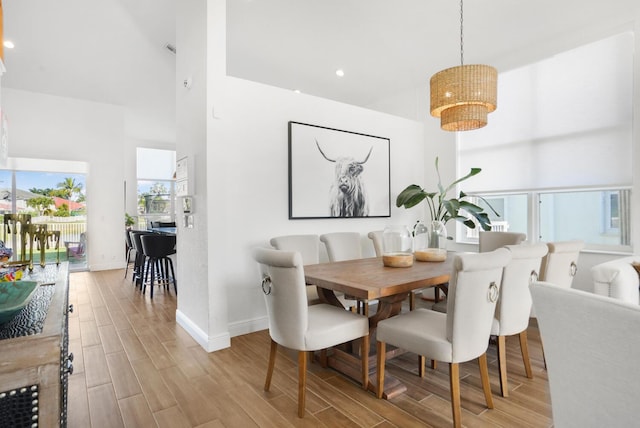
<point>208,343</point>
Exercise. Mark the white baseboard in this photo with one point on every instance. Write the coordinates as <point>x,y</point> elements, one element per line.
<point>210,344</point>
<point>245,327</point>
<point>93,267</point>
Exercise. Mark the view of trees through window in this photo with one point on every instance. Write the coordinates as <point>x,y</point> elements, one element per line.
<point>57,200</point>
<point>155,170</point>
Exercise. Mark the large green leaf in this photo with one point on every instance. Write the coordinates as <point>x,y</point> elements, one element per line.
<point>472,172</point>
<point>468,206</point>
<point>411,196</point>
<point>444,209</point>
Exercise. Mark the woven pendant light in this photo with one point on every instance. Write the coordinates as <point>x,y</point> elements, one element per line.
<point>463,96</point>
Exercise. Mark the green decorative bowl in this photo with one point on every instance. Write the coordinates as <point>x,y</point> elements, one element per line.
<point>14,296</point>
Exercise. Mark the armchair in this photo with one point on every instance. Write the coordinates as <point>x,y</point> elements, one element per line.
<point>76,249</point>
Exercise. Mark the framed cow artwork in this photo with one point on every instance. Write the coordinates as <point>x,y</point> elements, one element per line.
<point>337,174</point>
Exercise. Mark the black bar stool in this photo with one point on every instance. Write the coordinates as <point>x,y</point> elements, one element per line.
<point>141,258</point>
<point>163,224</point>
<point>129,247</point>
<point>158,247</point>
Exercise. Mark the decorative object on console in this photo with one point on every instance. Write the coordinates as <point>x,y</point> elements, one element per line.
<point>462,96</point>
<point>14,296</point>
<point>5,253</point>
<point>20,226</point>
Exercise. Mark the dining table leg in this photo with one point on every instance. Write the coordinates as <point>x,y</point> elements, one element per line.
<point>350,363</point>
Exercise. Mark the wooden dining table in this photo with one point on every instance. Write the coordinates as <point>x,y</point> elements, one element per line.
<point>368,279</point>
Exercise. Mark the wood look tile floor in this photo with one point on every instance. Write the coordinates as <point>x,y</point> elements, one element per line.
<point>135,367</point>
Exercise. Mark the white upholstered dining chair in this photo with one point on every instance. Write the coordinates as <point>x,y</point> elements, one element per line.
<point>345,246</point>
<point>309,248</point>
<point>296,325</point>
<point>342,245</point>
<point>460,335</point>
<point>377,241</point>
<point>489,240</point>
<point>514,305</point>
<point>591,348</point>
<point>560,265</point>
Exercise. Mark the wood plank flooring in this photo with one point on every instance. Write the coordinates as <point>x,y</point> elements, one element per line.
<point>135,367</point>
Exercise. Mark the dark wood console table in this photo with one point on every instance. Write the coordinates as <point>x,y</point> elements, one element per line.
<point>34,358</point>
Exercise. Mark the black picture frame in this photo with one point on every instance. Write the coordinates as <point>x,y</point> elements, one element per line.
<point>337,174</point>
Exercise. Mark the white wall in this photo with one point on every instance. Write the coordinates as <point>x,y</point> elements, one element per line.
<point>48,127</point>
<point>195,307</point>
<point>248,148</point>
<point>245,163</point>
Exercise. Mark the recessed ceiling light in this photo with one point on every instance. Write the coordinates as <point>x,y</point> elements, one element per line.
<point>297,91</point>
<point>340,72</point>
<point>9,44</point>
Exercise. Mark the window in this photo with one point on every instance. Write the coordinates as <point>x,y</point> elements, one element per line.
<point>552,165</point>
<point>156,189</point>
<point>53,193</point>
<point>593,216</point>
<point>511,214</point>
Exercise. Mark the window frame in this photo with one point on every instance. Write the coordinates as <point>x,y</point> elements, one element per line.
<point>534,226</point>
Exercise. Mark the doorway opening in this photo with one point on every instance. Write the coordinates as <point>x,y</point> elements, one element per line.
<point>54,199</point>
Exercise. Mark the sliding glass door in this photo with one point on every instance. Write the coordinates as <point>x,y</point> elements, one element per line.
<point>55,202</point>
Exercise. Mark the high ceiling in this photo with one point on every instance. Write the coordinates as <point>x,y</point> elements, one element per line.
<point>113,51</point>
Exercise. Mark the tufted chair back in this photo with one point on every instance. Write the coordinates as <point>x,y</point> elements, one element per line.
<point>474,288</point>
<point>559,266</point>
<point>489,241</point>
<point>587,333</point>
<point>342,246</point>
<point>309,248</point>
<point>285,296</point>
<point>307,245</point>
<point>514,305</point>
<point>376,238</point>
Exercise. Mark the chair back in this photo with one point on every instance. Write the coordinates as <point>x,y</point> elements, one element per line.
<point>342,246</point>
<point>378,242</point>
<point>590,348</point>
<point>136,239</point>
<point>514,305</point>
<point>284,292</point>
<point>156,245</point>
<point>82,244</point>
<point>474,288</point>
<point>559,266</point>
<point>127,237</point>
<point>307,245</point>
<point>489,241</point>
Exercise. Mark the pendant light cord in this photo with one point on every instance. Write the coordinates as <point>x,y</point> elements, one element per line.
<point>461,37</point>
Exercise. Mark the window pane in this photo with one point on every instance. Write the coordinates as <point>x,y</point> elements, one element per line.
<point>512,214</point>
<point>600,218</point>
<point>155,164</point>
<point>154,197</point>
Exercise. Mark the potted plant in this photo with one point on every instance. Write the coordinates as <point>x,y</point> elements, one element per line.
<point>128,221</point>
<point>441,210</point>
